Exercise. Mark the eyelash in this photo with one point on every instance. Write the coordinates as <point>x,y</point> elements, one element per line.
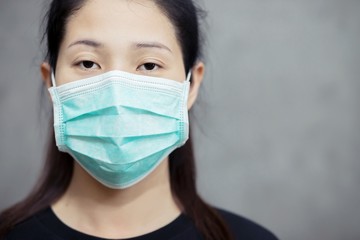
<point>152,65</point>
<point>82,66</point>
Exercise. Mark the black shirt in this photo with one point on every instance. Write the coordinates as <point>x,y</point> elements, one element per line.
<point>46,226</point>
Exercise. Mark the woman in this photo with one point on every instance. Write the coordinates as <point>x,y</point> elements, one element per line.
<point>122,75</point>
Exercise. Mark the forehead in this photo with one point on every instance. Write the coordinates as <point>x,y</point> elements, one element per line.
<point>118,21</point>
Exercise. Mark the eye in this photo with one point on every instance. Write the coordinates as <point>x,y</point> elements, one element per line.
<point>148,66</point>
<point>87,65</point>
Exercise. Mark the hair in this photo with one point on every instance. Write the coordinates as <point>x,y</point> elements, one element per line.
<point>58,167</point>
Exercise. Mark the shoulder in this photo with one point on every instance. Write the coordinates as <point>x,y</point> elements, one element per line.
<point>243,228</point>
<point>30,229</point>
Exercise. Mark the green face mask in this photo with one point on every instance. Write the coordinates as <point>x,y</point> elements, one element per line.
<point>119,126</point>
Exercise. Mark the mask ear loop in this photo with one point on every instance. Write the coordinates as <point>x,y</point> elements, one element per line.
<point>53,79</point>
<point>188,77</point>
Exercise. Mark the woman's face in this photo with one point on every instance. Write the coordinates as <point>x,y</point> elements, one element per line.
<point>133,36</point>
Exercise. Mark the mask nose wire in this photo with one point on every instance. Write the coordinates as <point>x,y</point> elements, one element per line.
<point>54,83</point>
<point>53,79</point>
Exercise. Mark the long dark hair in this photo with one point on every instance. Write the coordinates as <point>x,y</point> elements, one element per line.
<point>58,168</point>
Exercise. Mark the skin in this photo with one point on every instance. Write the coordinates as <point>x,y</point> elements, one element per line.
<point>132,36</point>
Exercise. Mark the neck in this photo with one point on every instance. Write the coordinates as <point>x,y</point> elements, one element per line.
<point>94,209</point>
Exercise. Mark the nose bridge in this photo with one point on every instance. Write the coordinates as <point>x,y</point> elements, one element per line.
<point>119,59</point>
<point>117,54</point>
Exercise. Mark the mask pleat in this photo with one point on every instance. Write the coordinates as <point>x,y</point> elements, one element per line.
<point>112,151</point>
<point>156,102</point>
<point>129,123</point>
<point>126,174</point>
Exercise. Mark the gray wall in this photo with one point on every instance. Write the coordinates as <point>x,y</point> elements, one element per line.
<point>277,125</point>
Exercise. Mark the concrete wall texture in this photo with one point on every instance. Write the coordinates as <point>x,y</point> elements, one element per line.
<point>277,125</point>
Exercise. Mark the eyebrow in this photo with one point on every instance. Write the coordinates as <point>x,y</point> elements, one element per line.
<point>138,45</point>
<point>86,42</point>
<point>158,45</point>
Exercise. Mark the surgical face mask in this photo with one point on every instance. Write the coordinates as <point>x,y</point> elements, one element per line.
<point>120,126</point>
